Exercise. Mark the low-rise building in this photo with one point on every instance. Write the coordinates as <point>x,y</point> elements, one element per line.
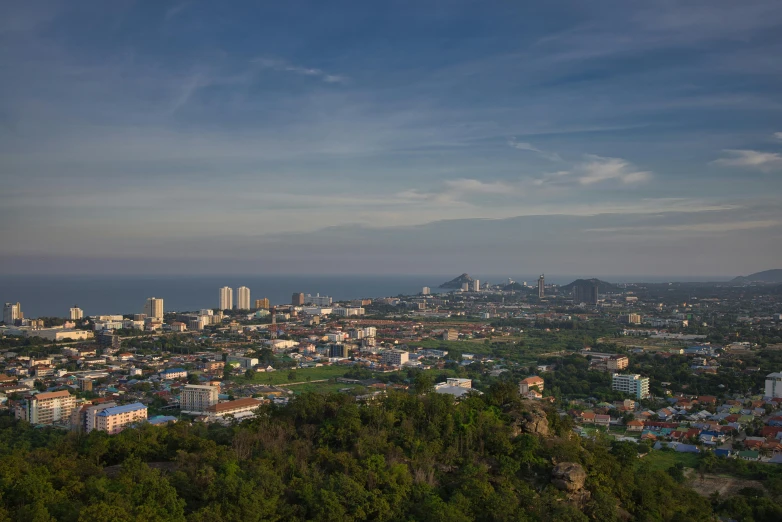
<point>233,407</point>
<point>115,419</point>
<point>196,398</point>
<point>533,382</point>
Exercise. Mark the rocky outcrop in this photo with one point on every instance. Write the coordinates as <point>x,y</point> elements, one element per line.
<point>457,282</point>
<point>530,418</point>
<point>569,477</point>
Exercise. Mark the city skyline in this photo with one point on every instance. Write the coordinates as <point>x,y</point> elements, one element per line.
<point>349,138</point>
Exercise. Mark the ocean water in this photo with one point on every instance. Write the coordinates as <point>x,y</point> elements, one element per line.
<point>53,295</point>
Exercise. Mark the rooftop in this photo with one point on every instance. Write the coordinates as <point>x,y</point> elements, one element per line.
<point>125,408</point>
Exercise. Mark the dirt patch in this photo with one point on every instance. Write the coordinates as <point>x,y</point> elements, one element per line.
<point>724,484</point>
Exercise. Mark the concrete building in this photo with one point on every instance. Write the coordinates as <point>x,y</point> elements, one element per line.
<point>173,373</point>
<point>370,331</point>
<point>633,318</point>
<point>634,385</point>
<point>12,312</point>
<point>541,286</point>
<point>476,285</point>
<point>154,308</point>
<point>86,420</point>
<point>585,292</point>
<point>245,362</point>
<point>450,335</point>
<point>47,408</point>
<point>774,385</point>
<point>318,300</point>
<point>531,383</point>
<point>178,326</point>
<point>297,299</point>
<point>195,398</point>
<point>115,419</point>
<point>347,312</point>
<point>426,290</point>
<point>226,298</point>
<point>262,304</point>
<point>458,383</point>
<point>338,351</point>
<point>223,409</point>
<point>395,357</point>
<point>242,298</point>
<point>617,362</point>
<point>76,313</point>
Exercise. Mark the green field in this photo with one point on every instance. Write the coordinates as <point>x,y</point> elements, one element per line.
<point>280,377</point>
<point>662,460</point>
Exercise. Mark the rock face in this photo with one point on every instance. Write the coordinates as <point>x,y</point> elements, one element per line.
<point>569,477</point>
<point>531,419</point>
<point>457,282</point>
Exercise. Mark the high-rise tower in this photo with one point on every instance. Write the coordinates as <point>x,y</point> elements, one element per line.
<point>541,286</point>
<point>242,298</point>
<point>154,308</point>
<point>226,298</point>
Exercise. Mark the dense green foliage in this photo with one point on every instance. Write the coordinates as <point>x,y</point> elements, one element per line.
<point>326,457</point>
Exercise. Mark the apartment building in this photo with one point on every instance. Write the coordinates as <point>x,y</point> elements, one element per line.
<point>395,357</point>
<point>634,385</point>
<point>47,408</point>
<point>115,419</point>
<point>617,362</point>
<point>197,398</point>
<point>530,383</point>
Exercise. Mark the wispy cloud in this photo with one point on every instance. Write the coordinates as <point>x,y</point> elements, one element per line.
<point>596,169</point>
<point>523,145</point>
<point>282,65</point>
<point>175,10</point>
<point>764,161</point>
<point>778,135</point>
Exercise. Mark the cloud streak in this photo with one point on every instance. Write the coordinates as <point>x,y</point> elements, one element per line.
<point>753,159</point>
<point>284,66</point>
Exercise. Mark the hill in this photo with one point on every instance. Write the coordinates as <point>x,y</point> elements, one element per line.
<point>602,286</point>
<point>458,282</point>
<point>767,276</point>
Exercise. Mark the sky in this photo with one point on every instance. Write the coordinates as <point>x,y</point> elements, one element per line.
<point>421,137</point>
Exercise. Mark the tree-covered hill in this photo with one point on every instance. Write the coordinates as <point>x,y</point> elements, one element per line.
<point>326,457</point>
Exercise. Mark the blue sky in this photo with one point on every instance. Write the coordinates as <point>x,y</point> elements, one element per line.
<point>424,137</point>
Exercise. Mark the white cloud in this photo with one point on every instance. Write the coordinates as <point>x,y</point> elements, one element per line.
<point>282,65</point>
<point>523,145</point>
<point>765,161</point>
<point>598,169</point>
<point>778,135</point>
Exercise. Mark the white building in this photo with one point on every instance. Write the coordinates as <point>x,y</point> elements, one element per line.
<point>226,298</point>
<point>347,312</point>
<point>318,300</point>
<point>76,313</point>
<point>235,407</point>
<point>47,408</point>
<point>476,285</point>
<point>316,310</point>
<point>370,331</point>
<point>197,398</point>
<point>242,298</point>
<point>426,290</point>
<point>154,308</point>
<point>395,357</point>
<point>774,385</point>
<point>12,312</point>
<point>245,362</point>
<point>634,385</point>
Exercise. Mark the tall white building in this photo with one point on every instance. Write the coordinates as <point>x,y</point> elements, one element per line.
<point>476,285</point>
<point>242,298</point>
<point>632,384</point>
<point>154,308</point>
<point>76,313</point>
<point>774,385</point>
<point>426,290</point>
<point>12,312</point>
<point>197,398</point>
<point>226,298</point>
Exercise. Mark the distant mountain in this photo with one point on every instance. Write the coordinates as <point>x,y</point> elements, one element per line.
<point>767,276</point>
<point>458,282</point>
<point>602,286</point>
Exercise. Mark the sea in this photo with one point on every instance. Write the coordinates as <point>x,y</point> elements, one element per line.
<point>52,295</point>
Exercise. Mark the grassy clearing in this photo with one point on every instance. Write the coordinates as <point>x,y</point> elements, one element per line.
<point>280,377</point>
<point>662,460</point>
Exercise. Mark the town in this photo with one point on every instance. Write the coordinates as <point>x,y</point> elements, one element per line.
<point>691,368</point>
